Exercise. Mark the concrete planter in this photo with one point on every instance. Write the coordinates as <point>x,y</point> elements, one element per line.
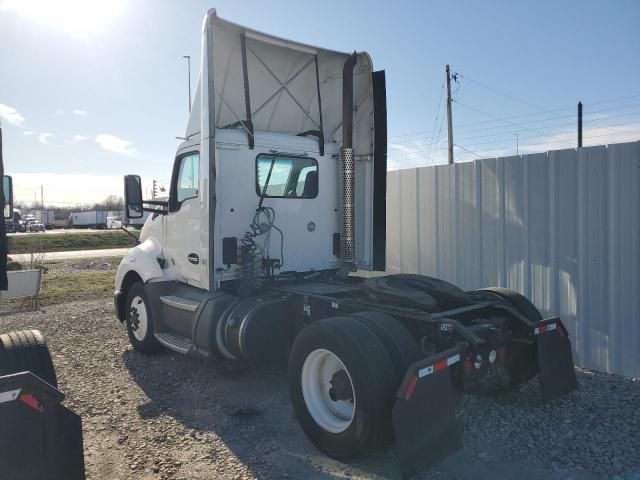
<point>23,284</point>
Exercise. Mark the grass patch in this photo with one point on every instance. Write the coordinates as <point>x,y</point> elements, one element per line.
<point>63,242</point>
<point>64,282</point>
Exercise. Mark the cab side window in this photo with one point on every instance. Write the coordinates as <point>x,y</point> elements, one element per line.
<point>188,178</point>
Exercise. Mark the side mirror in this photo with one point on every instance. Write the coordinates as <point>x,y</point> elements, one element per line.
<point>133,196</point>
<point>7,188</point>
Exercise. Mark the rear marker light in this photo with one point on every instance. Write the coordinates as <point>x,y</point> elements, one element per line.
<point>492,356</point>
<point>478,362</point>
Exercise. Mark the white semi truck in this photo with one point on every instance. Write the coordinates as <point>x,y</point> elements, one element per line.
<point>45,217</point>
<point>277,196</point>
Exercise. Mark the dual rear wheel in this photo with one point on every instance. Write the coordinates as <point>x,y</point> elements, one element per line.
<point>343,376</point>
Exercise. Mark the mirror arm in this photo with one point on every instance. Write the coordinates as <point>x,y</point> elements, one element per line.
<point>159,211</point>
<point>162,203</point>
<point>135,239</point>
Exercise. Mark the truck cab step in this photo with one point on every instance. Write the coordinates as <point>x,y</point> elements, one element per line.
<point>180,303</point>
<point>174,342</point>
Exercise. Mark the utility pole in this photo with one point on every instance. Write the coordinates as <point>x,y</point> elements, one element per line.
<point>579,124</point>
<point>449,123</point>
<point>517,143</point>
<point>188,57</point>
<point>42,197</point>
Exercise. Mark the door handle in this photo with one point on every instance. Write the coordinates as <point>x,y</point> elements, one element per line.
<point>193,258</point>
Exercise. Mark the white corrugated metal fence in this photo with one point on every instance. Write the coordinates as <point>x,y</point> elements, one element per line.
<point>561,227</point>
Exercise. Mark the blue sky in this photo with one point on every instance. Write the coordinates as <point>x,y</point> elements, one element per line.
<point>92,90</point>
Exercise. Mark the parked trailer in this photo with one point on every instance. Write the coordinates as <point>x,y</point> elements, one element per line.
<point>269,213</point>
<point>90,219</point>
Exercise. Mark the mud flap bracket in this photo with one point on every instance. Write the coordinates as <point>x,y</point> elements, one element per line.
<point>424,420</point>
<point>555,360</point>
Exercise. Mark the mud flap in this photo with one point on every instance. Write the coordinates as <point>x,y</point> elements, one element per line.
<point>424,421</point>
<point>555,360</point>
<point>39,437</point>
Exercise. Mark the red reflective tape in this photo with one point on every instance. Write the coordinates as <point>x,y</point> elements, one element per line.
<point>410,388</point>
<point>30,400</point>
<point>441,365</point>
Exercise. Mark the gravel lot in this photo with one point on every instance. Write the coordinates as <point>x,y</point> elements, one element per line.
<point>171,417</point>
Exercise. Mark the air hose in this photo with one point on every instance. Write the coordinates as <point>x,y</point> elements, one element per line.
<point>255,259</point>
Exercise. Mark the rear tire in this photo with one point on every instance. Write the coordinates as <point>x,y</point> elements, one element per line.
<point>522,359</point>
<point>26,351</point>
<point>329,361</point>
<point>398,342</point>
<point>139,321</point>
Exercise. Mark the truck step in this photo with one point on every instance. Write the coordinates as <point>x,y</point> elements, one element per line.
<point>180,303</point>
<point>174,342</point>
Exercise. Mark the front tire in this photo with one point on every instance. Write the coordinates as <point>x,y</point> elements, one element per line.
<point>139,321</point>
<point>342,385</point>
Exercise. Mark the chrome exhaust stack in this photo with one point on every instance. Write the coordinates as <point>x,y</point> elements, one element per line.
<point>347,168</point>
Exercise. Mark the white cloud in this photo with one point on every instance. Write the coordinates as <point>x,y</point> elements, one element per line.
<point>44,137</point>
<point>11,115</point>
<point>114,144</point>
<point>79,138</point>
<point>82,113</point>
<point>59,112</point>
<point>28,133</point>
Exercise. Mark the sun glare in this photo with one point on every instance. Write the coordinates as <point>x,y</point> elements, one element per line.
<point>81,18</point>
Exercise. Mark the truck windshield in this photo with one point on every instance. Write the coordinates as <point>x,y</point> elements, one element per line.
<point>291,177</point>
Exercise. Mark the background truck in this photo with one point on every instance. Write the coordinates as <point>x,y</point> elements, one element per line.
<point>15,224</point>
<point>45,217</point>
<point>89,219</point>
<point>277,198</point>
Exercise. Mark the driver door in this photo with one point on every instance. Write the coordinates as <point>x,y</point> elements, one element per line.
<point>183,249</point>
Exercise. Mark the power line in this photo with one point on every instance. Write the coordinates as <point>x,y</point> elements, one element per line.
<point>516,99</point>
<point>467,150</point>
<point>435,122</point>
<point>555,125</point>
<point>550,142</point>
<point>420,132</point>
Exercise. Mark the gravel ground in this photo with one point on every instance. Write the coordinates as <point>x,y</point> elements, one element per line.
<point>171,417</point>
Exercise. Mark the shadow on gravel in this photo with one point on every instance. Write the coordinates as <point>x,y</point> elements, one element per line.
<point>589,434</point>
<point>248,408</point>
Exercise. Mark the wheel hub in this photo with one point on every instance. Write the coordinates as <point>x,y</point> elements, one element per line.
<point>340,386</point>
<point>327,389</point>
<point>134,318</point>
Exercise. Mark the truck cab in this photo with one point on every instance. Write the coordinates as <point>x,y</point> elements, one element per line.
<point>277,196</point>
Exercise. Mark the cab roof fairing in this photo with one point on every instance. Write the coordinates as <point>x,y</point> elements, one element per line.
<point>282,85</point>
